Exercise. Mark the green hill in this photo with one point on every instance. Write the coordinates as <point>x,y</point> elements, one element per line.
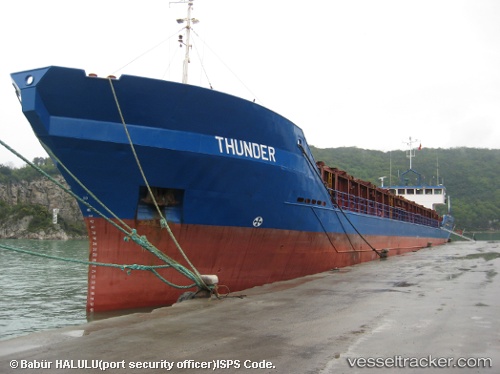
<point>471,176</point>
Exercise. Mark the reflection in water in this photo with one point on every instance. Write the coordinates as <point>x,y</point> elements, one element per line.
<point>38,293</point>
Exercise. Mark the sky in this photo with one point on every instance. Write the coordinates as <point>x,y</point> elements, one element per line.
<point>350,73</point>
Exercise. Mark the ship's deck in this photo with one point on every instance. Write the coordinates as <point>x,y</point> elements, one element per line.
<point>440,302</point>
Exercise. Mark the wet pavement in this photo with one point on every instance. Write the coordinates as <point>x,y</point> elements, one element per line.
<point>435,310</point>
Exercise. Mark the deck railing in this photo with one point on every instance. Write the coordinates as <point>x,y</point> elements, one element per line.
<point>361,205</point>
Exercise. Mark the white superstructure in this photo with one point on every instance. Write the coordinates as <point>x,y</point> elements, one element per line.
<point>412,188</point>
<point>428,196</point>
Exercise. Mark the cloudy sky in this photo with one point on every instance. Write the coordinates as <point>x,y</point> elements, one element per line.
<point>364,73</point>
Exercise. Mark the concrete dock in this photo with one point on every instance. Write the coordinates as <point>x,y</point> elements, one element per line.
<point>435,310</point>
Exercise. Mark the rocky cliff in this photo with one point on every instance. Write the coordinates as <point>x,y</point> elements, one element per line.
<point>27,209</point>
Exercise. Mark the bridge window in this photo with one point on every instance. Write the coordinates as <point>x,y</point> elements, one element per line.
<point>428,191</point>
<point>410,191</point>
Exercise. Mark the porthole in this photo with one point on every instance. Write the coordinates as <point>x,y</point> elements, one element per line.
<point>29,80</point>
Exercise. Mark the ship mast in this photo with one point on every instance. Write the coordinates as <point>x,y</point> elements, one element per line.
<point>410,153</point>
<point>186,41</point>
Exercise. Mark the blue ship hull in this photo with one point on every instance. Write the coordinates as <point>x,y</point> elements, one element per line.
<point>225,170</point>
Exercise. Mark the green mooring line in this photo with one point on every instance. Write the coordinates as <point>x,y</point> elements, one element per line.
<point>128,268</point>
<point>132,235</point>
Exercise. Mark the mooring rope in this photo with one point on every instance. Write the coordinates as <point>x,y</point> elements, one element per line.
<point>338,206</point>
<point>163,221</point>
<point>128,268</point>
<point>130,235</point>
<point>357,231</point>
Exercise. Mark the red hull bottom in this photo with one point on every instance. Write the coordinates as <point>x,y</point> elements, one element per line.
<point>241,257</point>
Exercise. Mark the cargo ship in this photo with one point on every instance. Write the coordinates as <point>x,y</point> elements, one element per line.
<point>177,181</point>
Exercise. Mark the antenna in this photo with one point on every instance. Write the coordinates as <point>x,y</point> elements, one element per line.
<point>390,168</point>
<point>437,170</point>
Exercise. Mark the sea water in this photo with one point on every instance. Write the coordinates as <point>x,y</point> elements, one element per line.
<point>38,293</point>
